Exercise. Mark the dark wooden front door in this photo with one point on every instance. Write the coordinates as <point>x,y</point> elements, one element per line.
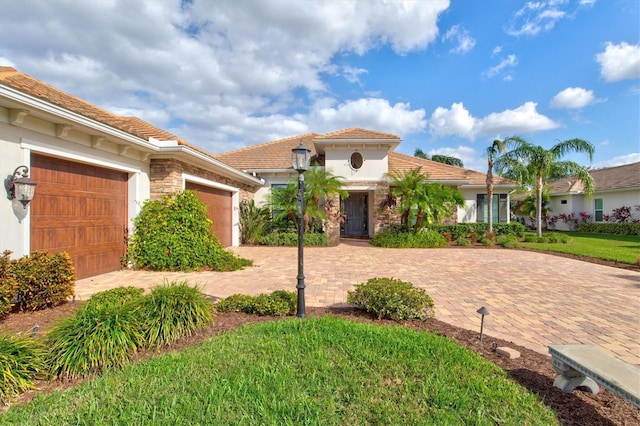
<point>219,210</point>
<point>355,210</point>
<point>80,209</point>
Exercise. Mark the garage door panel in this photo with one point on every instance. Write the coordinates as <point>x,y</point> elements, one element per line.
<point>80,209</point>
<point>219,209</point>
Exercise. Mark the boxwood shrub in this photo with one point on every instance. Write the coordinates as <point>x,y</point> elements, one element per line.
<point>463,230</point>
<point>393,299</point>
<point>291,239</point>
<point>404,239</point>
<point>611,228</point>
<point>278,303</point>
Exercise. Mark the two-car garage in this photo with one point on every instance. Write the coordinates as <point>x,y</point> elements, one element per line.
<point>82,209</point>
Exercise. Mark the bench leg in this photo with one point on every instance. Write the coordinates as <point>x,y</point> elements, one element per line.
<point>567,384</point>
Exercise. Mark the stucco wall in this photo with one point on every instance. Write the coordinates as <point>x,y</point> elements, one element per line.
<point>374,166</point>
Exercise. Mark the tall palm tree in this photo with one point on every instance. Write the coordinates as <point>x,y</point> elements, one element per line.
<point>533,166</point>
<point>492,152</point>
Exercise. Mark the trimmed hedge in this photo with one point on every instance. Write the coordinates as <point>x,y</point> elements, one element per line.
<point>611,228</point>
<point>35,282</point>
<point>393,299</point>
<point>462,230</point>
<point>291,239</point>
<point>404,239</point>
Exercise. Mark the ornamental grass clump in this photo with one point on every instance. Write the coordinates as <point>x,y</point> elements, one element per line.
<point>390,298</point>
<point>22,360</point>
<point>97,338</point>
<point>172,311</point>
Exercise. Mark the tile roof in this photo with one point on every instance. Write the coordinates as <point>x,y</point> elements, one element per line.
<point>440,171</point>
<point>620,177</point>
<point>26,84</point>
<point>357,133</point>
<point>270,155</point>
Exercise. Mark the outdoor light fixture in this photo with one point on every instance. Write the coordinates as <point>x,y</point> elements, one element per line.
<point>301,157</point>
<point>482,311</point>
<point>21,187</point>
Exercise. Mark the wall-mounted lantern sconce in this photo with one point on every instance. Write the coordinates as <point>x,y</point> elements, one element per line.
<point>21,187</point>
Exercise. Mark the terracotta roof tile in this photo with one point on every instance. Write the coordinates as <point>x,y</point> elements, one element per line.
<point>357,133</point>
<point>620,177</point>
<point>12,78</point>
<point>440,171</point>
<point>270,155</point>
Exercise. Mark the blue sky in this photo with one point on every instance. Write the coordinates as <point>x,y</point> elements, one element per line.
<point>447,77</point>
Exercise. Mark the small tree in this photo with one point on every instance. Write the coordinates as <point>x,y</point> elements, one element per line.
<point>492,152</point>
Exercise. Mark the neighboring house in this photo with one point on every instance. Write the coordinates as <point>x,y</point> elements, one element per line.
<point>615,187</point>
<point>363,158</point>
<point>94,170</point>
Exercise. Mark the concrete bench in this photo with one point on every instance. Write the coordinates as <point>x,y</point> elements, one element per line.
<point>584,365</point>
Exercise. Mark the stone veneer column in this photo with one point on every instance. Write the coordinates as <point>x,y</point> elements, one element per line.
<point>332,224</point>
<point>165,177</point>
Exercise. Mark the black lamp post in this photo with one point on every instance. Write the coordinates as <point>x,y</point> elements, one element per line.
<point>301,158</point>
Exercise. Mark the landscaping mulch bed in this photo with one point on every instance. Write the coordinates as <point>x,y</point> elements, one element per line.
<point>532,370</point>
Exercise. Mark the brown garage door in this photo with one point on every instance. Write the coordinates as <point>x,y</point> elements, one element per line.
<point>219,208</point>
<point>80,209</point>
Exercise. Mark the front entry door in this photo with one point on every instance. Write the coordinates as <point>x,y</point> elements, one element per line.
<point>355,210</point>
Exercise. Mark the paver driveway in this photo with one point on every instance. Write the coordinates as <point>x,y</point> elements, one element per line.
<point>534,299</point>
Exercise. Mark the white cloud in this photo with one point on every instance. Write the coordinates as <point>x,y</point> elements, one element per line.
<point>634,157</point>
<point>464,42</point>
<point>508,62</point>
<point>372,113</point>
<point>455,121</point>
<point>619,61</point>
<point>458,121</point>
<point>536,17</point>
<point>496,50</point>
<point>352,74</point>
<point>573,98</point>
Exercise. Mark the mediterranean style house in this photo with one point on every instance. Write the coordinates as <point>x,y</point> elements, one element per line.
<point>615,187</point>
<point>95,169</point>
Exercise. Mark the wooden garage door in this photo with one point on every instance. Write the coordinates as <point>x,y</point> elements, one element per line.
<point>219,207</point>
<point>80,209</point>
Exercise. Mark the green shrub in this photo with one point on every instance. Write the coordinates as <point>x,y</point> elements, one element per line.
<point>278,303</point>
<point>8,284</point>
<point>464,229</point>
<point>254,222</point>
<point>114,297</point>
<point>404,239</point>
<point>310,239</point>
<point>172,311</point>
<point>508,241</point>
<point>236,303</point>
<point>462,241</point>
<point>97,338</point>
<point>392,298</point>
<point>611,228</point>
<point>43,280</point>
<point>22,360</point>
<point>174,234</point>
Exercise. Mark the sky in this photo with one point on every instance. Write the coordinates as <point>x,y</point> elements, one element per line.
<point>448,77</point>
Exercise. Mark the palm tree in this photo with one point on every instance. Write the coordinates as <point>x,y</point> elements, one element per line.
<point>426,200</point>
<point>320,184</point>
<point>533,166</point>
<point>492,152</point>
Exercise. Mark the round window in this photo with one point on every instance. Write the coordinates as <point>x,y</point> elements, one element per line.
<point>356,160</point>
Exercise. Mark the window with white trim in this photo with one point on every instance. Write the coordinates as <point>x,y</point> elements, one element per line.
<point>598,210</point>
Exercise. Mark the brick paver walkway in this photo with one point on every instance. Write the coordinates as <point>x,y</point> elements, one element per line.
<point>534,299</point>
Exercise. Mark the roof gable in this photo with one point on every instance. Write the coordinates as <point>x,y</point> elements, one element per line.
<point>357,133</point>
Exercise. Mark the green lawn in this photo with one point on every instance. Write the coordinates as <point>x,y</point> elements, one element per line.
<point>320,371</point>
<point>619,248</point>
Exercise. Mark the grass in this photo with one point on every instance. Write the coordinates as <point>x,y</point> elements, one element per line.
<point>319,371</point>
<point>617,248</point>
